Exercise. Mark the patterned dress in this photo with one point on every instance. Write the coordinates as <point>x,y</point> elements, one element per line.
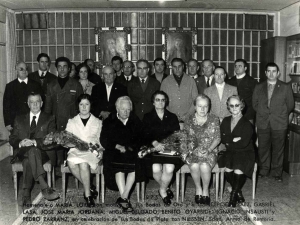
<point>200,138</point>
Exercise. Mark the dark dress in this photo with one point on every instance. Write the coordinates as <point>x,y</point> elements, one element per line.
<point>238,155</point>
<point>115,132</point>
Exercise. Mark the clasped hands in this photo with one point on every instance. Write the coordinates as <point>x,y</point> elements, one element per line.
<point>27,142</point>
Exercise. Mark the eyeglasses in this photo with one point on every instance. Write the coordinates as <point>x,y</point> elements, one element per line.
<point>127,66</point>
<point>236,105</point>
<point>160,100</point>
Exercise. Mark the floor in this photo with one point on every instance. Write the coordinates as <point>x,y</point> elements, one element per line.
<point>275,203</point>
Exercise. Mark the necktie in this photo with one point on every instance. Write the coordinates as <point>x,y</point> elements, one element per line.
<point>143,81</point>
<point>207,82</point>
<point>32,127</point>
<point>127,79</point>
<point>42,77</point>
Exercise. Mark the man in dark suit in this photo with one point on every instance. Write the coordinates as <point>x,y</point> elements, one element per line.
<point>15,95</point>
<point>42,75</point>
<point>273,101</point>
<point>27,137</point>
<point>93,77</point>
<point>140,90</point>
<point>117,64</point>
<point>61,98</point>
<point>105,95</point>
<point>159,68</point>
<point>206,79</point>
<point>127,76</point>
<point>245,86</point>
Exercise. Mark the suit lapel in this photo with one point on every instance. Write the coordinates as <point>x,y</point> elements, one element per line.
<point>40,122</point>
<point>276,90</point>
<point>27,124</point>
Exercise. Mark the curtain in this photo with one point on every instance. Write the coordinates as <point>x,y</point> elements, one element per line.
<point>11,45</point>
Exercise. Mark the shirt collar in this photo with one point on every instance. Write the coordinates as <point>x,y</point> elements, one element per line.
<point>124,122</point>
<point>145,79</point>
<point>108,87</point>
<point>130,76</point>
<point>195,76</point>
<point>40,72</point>
<point>210,78</point>
<point>220,85</point>
<point>36,115</point>
<point>240,76</point>
<point>25,80</point>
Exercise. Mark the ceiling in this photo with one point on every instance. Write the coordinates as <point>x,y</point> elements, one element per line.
<point>245,5</point>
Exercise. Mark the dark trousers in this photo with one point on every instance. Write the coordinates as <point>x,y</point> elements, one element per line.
<point>33,166</point>
<point>271,159</point>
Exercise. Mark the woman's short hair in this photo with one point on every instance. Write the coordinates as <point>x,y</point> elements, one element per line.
<point>160,93</point>
<point>84,96</point>
<point>237,97</point>
<point>123,98</point>
<point>81,65</point>
<point>205,97</point>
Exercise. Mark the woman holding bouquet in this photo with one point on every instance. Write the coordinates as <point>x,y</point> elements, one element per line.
<point>86,127</point>
<point>203,132</point>
<point>158,125</point>
<point>121,136</point>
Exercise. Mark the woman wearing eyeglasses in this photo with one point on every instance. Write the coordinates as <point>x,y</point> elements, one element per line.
<point>239,157</point>
<point>158,125</point>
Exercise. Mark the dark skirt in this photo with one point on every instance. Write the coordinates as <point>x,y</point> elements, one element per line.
<point>241,160</point>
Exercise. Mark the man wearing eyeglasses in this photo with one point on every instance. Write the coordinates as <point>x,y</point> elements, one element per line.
<point>61,98</point>
<point>140,90</point>
<point>181,89</point>
<point>273,102</point>
<point>127,76</point>
<point>15,95</point>
<point>207,78</point>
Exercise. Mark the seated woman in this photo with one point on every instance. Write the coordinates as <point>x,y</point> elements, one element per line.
<point>159,124</point>
<point>239,157</point>
<point>87,128</point>
<point>203,138</point>
<point>120,137</point>
<point>84,72</point>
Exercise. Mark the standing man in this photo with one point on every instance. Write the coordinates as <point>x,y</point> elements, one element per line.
<point>127,76</point>
<point>181,89</point>
<point>27,137</point>
<point>207,80</point>
<point>105,95</point>
<point>273,101</point>
<point>245,86</point>
<point>42,75</point>
<point>15,95</point>
<point>159,69</point>
<point>61,98</point>
<point>93,77</point>
<point>140,90</point>
<point>193,68</point>
<point>117,64</point>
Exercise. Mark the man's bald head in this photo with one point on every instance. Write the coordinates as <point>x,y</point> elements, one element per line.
<point>109,75</point>
<point>21,69</point>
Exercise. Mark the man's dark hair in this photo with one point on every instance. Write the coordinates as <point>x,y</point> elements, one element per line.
<point>132,64</point>
<point>115,58</point>
<point>63,59</point>
<point>160,59</point>
<point>243,61</point>
<point>43,55</point>
<point>271,64</point>
<point>193,60</point>
<point>34,94</point>
<point>177,60</point>
<point>85,61</point>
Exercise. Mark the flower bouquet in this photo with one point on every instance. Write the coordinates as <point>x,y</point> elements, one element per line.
<point>69,140</point>
<point>176,142</point>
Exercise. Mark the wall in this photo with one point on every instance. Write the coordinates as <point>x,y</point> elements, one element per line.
<point>221,36</point>
<point>290,20</point>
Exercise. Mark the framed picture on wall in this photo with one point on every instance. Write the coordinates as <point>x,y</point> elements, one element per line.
<point>179,42</point>
<point>112,41</point>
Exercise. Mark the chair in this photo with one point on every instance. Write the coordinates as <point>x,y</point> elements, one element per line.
<point>185,169</point>
<point>18,167</point>
<point>98,171</point>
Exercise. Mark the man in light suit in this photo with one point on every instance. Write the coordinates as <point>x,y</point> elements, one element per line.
<point>219,93</point>
<point>141,89</point>
<point>27,137</point>
<point>207,78</point>
<point>42,75</point>
<point>273,102</point>
<point>105,95</point>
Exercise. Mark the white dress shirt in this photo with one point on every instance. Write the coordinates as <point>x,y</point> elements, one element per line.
<point>25,80</point>
<point>108,90</point>
<point>220,88</point>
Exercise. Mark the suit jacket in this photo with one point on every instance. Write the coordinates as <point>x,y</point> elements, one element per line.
<point>121,80</point>
<point>142,99</point>
<point>164,76</point>
<point>45,125</point>
<point>99,97</point>
<point>201,83</point>
<point>282,103</point>
<point>63,102</point>
<point>218,106</point>
<point>245,90</point>
<point>15,100</point>
<point>48,78</point>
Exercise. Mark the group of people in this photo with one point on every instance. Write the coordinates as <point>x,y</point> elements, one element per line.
<point>122,112</point>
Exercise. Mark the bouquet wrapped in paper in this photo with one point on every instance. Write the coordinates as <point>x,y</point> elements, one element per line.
<point>69,140</point>
<point>176,142</point>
